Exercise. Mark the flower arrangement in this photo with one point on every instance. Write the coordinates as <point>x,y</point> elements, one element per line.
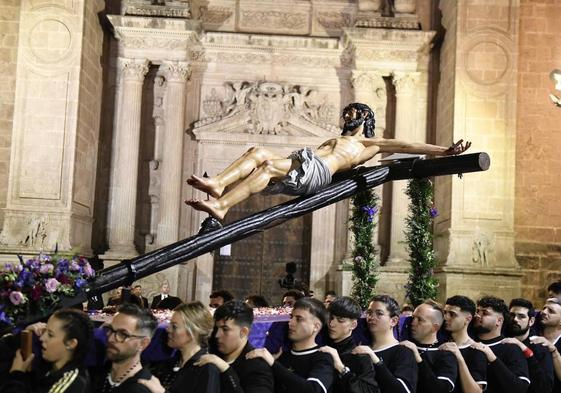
<point>422,284</point>
<point>36,286</point>
<point>365,262</point>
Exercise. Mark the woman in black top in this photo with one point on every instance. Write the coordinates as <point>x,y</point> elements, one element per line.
<point>65,340</point>
<point>395,365</point>
<point>188,332</point>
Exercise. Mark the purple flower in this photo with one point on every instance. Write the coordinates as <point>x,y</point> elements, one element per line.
<point>88,271</point>
<point>80,282</point>
<point>8,267</point>
<point>4,318</point>
<point>433,212</point>
<point>46,268</point>
<point>62,266</point>
<point>74,266</point>
<point>358,259</point>
<point>17,298</point>
<point>51,285</point>
<point>371,211</point>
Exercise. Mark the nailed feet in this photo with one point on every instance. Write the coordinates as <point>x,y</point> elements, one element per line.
<point>206,185</point>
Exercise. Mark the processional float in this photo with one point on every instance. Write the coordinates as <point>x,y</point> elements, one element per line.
<point>212,236</point>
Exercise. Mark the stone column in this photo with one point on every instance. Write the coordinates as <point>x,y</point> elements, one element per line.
<point>405,130</point>
<point>176,74</point>
<point>122,210</point>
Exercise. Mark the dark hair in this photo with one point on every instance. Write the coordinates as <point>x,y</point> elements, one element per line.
<point>145,321</point>
<point>521,302</point>
<point>345,307</point>
<point>367,115</point>
<point>227,296</point>
<point>314,307</point>
<point>391,304</point>
<point>76,325</point>
<point>555,287</point>
<point>407,307</point>
<point>257,300</point>
<point>137,286</point>
<point>463,302</point>
<point>293,293</point>
<point>331,293</point>
<point>237,311</point>
<point>495,303</point>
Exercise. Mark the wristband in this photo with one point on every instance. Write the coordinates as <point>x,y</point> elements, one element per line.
<point>345,371</point>
<point>528,353</point>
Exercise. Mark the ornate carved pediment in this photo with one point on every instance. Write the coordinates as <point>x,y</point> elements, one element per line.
<point>267,108</point>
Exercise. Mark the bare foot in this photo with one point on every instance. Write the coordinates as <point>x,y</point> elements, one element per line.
<point>208,207</point>
<point>206,185</point>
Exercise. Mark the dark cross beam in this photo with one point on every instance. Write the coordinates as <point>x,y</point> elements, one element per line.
<point>344,185</point>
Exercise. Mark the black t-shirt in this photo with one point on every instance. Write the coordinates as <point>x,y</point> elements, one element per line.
<point>540,367</point>
<point>437,372</point>
<point>247,375</point>
<point>308,371</point>
<point>557,381</point>
<point>476,362</point>
<point>189,378</point>
<point>398,371</point>
<point>509,373</point>
<point>361,377</point>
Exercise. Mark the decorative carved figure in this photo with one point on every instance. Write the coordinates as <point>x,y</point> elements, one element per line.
<point>305,171</point>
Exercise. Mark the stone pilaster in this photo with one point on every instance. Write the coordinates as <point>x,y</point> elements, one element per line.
<point>125,172</point>
<point>405,130</point>
<point>55,129</point>
<point>477,99</point>
<point>176,74</point>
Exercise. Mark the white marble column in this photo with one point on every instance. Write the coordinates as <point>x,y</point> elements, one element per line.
<point>406,130</point>
<point>176,74</point>
<point>124,175</point>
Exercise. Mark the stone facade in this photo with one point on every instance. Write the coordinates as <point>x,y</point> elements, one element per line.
<point>187,86</point>
<point>537,216</point>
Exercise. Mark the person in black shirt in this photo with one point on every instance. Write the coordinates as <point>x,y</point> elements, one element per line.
<point>507,369</point>
<point>65,341</point>
<point>472,364</point>
<point>551,321</point>
<point>188,332</point>
<point>438,369</point>
<point>304,369</point>
<point>356,372</point>
<point>128,334</point>
<point>540,364</point>
<point>137,291</point>
<point>395,365</point>
<point>232,323</point>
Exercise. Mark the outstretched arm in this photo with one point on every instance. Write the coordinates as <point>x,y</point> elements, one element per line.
<point>397,146</point>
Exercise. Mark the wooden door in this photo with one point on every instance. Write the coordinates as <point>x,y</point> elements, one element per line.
<point>256,263</point>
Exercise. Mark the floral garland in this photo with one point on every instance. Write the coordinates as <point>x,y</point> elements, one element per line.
<point>421,284</point>
<point>365,261</point>
<point>35,287</point>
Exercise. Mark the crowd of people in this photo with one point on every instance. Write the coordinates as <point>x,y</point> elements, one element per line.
<point>459,346</point>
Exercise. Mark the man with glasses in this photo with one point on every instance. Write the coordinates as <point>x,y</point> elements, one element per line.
<point>128,334</point>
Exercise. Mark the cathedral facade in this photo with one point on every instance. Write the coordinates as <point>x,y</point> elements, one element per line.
<point>111,105</point>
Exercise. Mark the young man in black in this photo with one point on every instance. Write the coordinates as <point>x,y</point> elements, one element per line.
<point>539,360</point>
<point>507,370</point>
<point>304,369</point>
<point>438,369</point>
<point>472,364</point>
<point>355,372</point>
<point>233,322</point>
<point>551,321</point>
<point>396,369</point>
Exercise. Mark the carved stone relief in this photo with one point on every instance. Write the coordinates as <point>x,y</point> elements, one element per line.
<point>266,107</point>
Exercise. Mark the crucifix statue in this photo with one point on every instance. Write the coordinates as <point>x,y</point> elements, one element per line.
<point>305,171</point>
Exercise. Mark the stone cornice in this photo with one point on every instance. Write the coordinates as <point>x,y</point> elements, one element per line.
<point>161,38</point>
<point>249,49</point>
